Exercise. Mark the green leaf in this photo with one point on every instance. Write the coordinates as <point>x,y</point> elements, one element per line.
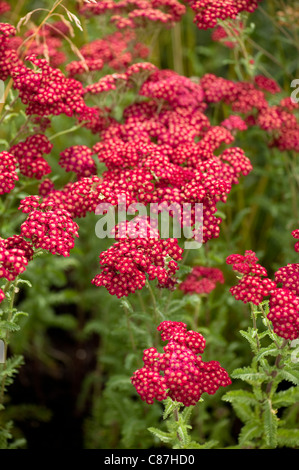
<point>170,406</point>
<point>207,445</point>
<point>240,396</point>
<point>288,437</point>
<point>9,326</point>
<point>290,375</point>
<point>286,397</point>
<point>248,374</point>
<point>263,352</point>
<point>24,281</point>
<point>19,314</point>
<point>250,335</point>
<point>166,437</point>
<point>270,424</point>
<point>250,430</point>
<point>182,431</point>
<point>126,305</point>
<point>243,411</point>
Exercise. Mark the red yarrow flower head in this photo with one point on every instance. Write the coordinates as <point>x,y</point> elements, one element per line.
<point>284,313</point>
<point>15,253</point>
<point>288,276</point>
<point>246,264</point>
<point>202,280</point>
<point>4,7</point>
<point>29,155</point>
<point>128,263</point>
<point>78,159</point>
<point>178,373</point>
<point>8,175</point>
<point>254,285</point>
<point>295,234</point>
<point>48,227</point>
<point>47,91</point>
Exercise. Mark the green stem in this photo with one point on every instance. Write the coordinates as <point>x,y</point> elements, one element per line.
<point>275,372</point>
<point>8,285</point>
<point>176,417</point>
<point>66,131</point>
<point>133,344</point>
<point>255,325</point>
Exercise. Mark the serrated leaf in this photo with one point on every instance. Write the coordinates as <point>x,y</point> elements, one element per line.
<point>9,325</point>
<point>126,304</point>
<point>290,375</point>
<point>182,431</point>
<point>24,281</point>
<point>207,445</point>
<point>288,437</point>
<point>251,337</point>
<point>120,382</point>
<point>266,352</point>
<point>19,313</point>
<point>270,424</point>
<point>162,435</point>
<point>250,430</point>
<point>170,406</point>
<point>249,375</point>
<point>240,396</point>
<point>286,397</point>
<point>243,410</point>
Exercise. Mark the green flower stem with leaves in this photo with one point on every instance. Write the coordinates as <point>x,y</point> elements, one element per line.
<point>178,426</point>
<point>273,380</point>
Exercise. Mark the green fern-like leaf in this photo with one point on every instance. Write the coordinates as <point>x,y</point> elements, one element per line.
<point>270,424</point>
<point>251,430</point>
<point>166,437</point>
<point>288,437</point>
<point>286,397</point>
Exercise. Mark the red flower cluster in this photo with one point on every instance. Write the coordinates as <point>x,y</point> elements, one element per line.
<point>29,155</point>
<point>8,59</point>
<point>138,252</point>
<point>295,234</point>
<point>250,99</point>
<point>233,123</point>
<point>78,159</point>
<point>77,198</point>
<point>137,13</point>
<point>284,302</point>
<point>44,42</point>
<point>4,7</point>
<point>8,175</point>
<point>254,285</point>
<point>156,144</point>
<point>202,280</point>
<point>284,313</point>
<point>209,11</point>
<point>185,375</point>
<point>288,276</point>
<point>118,50</point>
<point>46,90</point>
<point>220,35</point>
<point>46,187</point>
<point>15,253</point>
<point>47,227</point>
<point>134,73</point>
